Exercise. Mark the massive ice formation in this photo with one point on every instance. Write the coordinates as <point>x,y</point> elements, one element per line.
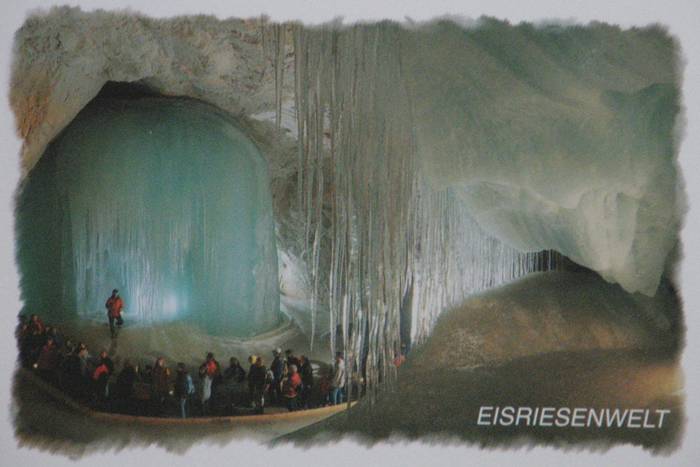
<point>420,163</point>
<point>164,199</point>
<point>556,138</point>
<point>435,138</point>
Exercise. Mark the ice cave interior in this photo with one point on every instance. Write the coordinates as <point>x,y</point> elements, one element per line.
<point>358,180</point>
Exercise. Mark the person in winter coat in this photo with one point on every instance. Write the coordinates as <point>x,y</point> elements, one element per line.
<point>124,389</point>
<point>290,388</point>
<point>115,306</point>
<point>257,382</point>
<point>184,388</point>
<point>279,368</point>
<point>306,372</point>
<point>235,371</point>
<point>234,379</point>
<point>100,377</point>
<point>84,381</point>
<point>291,358</point>
<point>324,388</point>
<point>161,385</point>
<point>338,382</point>
<point>209,373</point>
<point>47,364</point>
<point>104,358</point>
<point>36,325</point>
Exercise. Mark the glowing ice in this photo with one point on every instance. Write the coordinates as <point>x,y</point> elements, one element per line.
<point>163,199</point>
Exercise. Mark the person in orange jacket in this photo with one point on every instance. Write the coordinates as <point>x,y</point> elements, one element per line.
<point>114,306</point>
<point>290,388</point>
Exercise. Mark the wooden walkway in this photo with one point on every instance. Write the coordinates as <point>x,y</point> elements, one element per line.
<point>304,417</point>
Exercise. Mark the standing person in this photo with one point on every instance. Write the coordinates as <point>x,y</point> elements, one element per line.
<point>47,363</point>
<point>338,383</point>
<point>209,371</point>
<point>400,357</point>
<point>234,377</point>
<point>35,339</point>
<point>184,388</point>
<point>307,380</point>
<point>124,389</point>
<point>235,371</point>
<point>36,325</point>
<point>104,358</point>
<point>278,367</point>
<point>257,380</point>
<point>290,388</point>
<point>84,381</point>
<point>115,306</point>
<point>100,378</point>
<point>103,371</point>
<point>161,385</point>
<point>291,358</point>
<point>324,388</point>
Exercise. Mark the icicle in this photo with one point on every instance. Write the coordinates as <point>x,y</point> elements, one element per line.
<point>198,245</point>
<point>279,62</point>
<point>385,229</point>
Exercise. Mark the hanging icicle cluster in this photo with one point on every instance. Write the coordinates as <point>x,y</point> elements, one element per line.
<point>454,259</point>
<point>356,171</point>
<point>375,231</point>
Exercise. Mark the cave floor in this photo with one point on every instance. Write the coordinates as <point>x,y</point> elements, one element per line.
<point>443,405</point>
<point>180,342</point>
<point>45,418</point>
<point>436,407</point>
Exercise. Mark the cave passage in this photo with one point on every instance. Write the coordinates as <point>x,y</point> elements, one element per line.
<point>164,199</point>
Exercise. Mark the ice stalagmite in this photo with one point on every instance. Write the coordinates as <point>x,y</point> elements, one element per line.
<point>164,199</point>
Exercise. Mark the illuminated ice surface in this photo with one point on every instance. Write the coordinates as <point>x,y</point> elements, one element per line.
<point>165,200</point>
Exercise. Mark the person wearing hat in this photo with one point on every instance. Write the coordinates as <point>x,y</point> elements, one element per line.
<point>115,306</point>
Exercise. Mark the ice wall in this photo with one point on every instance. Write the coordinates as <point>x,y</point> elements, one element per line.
<point>164,199</point>
<point>557,137</point>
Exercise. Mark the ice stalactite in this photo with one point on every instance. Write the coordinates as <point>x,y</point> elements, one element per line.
<point>365,201</point>
<point>164,199</point>
<point>454,259</point>
<point>274,48</point>
<point>353,189</point>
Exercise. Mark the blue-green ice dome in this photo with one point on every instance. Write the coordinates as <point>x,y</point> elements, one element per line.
<point>163,199</point>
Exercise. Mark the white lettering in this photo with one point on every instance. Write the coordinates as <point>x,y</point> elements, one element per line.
<point>547,413</point>
<point>507,417</point>
<point>578,417</point>
<point>563,417</point>
<point>482,411</point>
<point>663,413</point>
<point>636,415</point>
<point>616,417</point>
<point>598,416</point>
<point>522,416</point>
